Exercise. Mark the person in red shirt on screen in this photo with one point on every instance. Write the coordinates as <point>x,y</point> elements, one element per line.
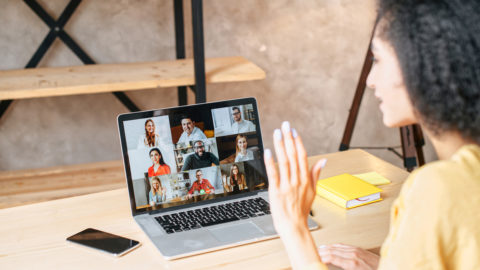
<point>159,166</point>
<point>202,186</point>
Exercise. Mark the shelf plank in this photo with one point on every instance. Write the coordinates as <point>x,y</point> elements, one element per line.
<point>90,79</point>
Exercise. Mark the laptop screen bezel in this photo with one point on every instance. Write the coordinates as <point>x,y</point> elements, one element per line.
<point>171,110</point>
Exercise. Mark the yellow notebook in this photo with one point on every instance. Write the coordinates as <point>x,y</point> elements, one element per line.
<point>348,191</point>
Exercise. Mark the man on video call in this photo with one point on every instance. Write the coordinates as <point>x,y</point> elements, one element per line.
<point>200,159</point>
<point>190,131</point>
<point>201,185</point>
<point>240,125</point>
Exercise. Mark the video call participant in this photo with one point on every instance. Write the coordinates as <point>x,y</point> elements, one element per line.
<point>200,159</point>
<point>157,194</point>
<point>190,131</point>
<point>237,179</point>
<point>201,185</point>
<point>150,138</point>
<point>240,125</point>
<point>242,154</point>
<point>159,166</point>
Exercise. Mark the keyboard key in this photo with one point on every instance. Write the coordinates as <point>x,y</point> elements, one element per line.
<point>213,215</point>
<point>211,223</point>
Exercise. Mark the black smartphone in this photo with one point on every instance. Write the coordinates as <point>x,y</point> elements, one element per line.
<point>103,241</point>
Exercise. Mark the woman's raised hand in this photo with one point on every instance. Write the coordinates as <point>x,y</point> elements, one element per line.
<point>292,187</point>
<point>291,194</point>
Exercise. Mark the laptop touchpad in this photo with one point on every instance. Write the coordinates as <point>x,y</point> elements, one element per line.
<point>237,232</point>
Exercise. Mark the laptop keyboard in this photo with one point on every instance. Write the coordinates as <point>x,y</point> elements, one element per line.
<point>213,215</point>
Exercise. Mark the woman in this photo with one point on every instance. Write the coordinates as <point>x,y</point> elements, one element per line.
<point>237,179</point>
<point>150,138</point>
<point>242,154</point>
<point>159,167</point>
<point>427,71</point>
<point>157,194</point>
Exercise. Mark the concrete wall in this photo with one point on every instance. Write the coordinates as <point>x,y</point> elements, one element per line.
<point>312,52</point>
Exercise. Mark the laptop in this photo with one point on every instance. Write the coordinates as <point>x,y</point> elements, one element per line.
<point>196,176</point>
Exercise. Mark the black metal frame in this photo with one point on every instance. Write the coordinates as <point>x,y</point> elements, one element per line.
<point>56,30</point>
<point>198,52</point>
<point>411,136</point>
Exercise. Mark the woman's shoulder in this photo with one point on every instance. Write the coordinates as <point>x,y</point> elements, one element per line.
<point>461,168</point>
<point>444,181</point>
<point>440,174</point>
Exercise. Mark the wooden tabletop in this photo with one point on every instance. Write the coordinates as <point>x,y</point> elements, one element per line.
<point>33,236</point>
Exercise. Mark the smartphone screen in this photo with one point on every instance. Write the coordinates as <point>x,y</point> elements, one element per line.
<point>104,241</point>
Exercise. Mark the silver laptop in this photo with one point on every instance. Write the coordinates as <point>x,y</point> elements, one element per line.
<point>196,176</point>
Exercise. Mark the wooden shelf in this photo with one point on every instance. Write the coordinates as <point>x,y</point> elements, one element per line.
<point>90,79</point>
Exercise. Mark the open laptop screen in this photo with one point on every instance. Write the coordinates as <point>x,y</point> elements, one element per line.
<point>191,154</point>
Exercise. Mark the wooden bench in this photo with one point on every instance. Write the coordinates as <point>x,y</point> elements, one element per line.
<point>91,79</point>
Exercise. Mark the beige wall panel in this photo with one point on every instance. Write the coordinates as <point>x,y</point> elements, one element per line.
<point>312,52</point>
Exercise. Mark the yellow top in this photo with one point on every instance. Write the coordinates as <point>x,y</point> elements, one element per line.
<point>435,221</point>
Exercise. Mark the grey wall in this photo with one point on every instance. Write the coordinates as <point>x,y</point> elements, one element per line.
<point>312,52</point>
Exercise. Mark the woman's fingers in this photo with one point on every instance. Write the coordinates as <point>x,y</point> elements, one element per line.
<point>339,261</point>
<point>340,258</point>
<point>272,173</point>
<point>343,247</point>
<point>348,257</point>
<point>291,152</point>
<point>282,159</point>
<point>316,169</point>
<point>346,254</point>
<point>302,157</point>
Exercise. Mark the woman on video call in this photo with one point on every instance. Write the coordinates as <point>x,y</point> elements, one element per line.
<point>427,71</point>
<point>237,179</point>
<point>159,166</point>
<point>242,153</point>
<point>158,193</point>
<point>150,138</point>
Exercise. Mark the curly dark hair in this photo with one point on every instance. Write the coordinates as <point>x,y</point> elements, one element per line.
<point>437,43</point>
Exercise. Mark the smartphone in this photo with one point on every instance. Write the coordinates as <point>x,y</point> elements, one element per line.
<point>103,241</point>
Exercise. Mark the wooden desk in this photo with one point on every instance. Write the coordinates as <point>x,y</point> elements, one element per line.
<point>33,236</point>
